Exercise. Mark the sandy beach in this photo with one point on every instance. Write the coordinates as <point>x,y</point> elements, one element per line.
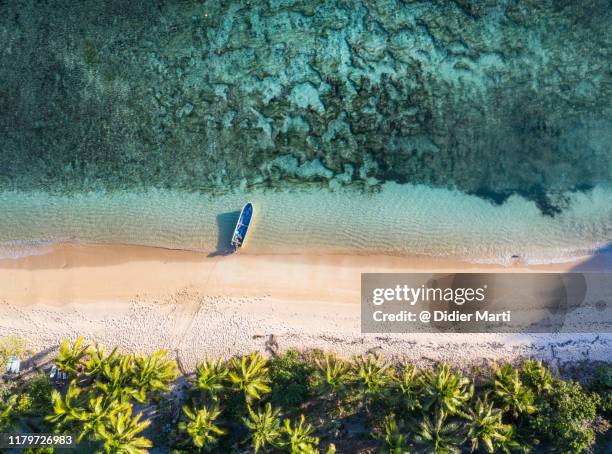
<point>147,298</point>
<point>368,138</point>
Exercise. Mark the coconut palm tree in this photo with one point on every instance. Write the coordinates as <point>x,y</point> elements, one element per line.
<point>485,428</point>
<point>373,374</point>
<point>394,441</point>
<point>510,444</point>
<point>334,372</point>
<point>444,389</point>
<point>264,426</point>
<point>410,385</point>
<point>93,417</point>
<point>66,409</point>
<point>510,392</point>
<point>70,357</point>
<point>115,380</point>
<point>250,376</point>
<point>120,433</point>
<point>299,437</point>
<point>438,436</point>
<point>201,427</point>
<point>211,375</point>
<point>94,365</point>
<point>152,374</point>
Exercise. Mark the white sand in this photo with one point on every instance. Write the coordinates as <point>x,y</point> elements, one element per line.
<point>144,299</point>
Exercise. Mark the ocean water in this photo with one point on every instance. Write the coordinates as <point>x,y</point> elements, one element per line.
<point>480,128</point>
<point>397,220</point>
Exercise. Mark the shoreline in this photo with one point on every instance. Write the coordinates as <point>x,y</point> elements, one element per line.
<point>91,272</point>
<point>399,220</point>
<point>143,299</point>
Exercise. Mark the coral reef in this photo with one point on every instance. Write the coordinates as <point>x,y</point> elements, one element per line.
<point>492,97</point>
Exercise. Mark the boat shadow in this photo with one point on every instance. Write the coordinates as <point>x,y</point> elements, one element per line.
<point>225,229</point>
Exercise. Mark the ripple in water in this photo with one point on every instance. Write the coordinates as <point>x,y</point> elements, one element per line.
<point>397,220</point>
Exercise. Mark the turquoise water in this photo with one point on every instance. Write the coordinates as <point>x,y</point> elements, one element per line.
<point>398,220</point>
<point>476,128</point>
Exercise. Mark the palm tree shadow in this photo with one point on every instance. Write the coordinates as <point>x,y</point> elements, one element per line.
<point>39,361</point>
<point>225,229</point>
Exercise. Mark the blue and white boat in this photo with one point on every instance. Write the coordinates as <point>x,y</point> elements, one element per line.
<point>242,226</point>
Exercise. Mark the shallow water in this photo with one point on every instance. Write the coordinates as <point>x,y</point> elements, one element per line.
<point>399,219</point>
<point>474,128</point>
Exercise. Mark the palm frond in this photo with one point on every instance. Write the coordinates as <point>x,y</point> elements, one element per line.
<point>250,375</point>
<point>264,427</point>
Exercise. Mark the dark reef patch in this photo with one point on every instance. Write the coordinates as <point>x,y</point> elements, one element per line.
<point>492,97</point>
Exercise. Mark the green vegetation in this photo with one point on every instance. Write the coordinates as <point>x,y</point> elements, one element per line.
<point>249,375</point>
<point>290,375</point>
<point>10,346</point>
<point>602,385</point>
<point>305,403</point>
<point>563,415</point>
<point>96,402</point>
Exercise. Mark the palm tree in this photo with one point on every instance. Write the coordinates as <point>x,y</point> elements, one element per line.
<point>439,436</point>
<point>94,365</point>
<point>334,372</point>
<point>211,376</point>
<point>264,426</point>
<point>485,427</point>
<point>410,385</point>
<point>201,426</point>
<point>444,389</point>
<point>92,418</point>
<point>511,393</point>
<point>393,438</point>
<point>115,380</point>
<point>250,376</point>
<point>510,444</point>
<point>331,449</point>
<point>66,409</point>
<point>69,358</point>
<point>7,413</point>
<point>310,449</point>
<point>152,374</point>
<point>119,434</point>
<point>373,374</point>
<point>299,435</point>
